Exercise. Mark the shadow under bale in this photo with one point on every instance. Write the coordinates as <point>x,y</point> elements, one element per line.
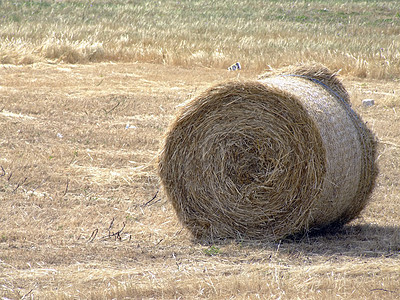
<point>269,158</point>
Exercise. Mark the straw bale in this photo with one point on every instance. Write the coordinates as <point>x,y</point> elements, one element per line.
<point>269,158</point>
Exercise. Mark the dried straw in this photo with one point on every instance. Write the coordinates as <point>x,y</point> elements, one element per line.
<point>269,158</point>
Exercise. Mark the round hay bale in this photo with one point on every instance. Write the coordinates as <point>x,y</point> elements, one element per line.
<point>269,158</point>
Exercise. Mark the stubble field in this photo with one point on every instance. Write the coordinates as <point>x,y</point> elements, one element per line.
<point>84,103</point>
<point>83,214</point>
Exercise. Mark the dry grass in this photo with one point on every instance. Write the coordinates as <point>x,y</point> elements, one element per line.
<point>360,37</point>
<point>71,167</point>
<point>82,214</point>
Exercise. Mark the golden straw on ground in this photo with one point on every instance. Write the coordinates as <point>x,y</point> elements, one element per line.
<point>269,158</point>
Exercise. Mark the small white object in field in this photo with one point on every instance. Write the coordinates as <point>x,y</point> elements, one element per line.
<point>59,135</point>
<point>128,126</point>
<point>235,67</point>
<point>368,102</point>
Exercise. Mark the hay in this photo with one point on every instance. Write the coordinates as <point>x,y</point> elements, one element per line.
<point>268,158</point>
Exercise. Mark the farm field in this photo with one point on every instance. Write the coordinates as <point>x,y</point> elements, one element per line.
<point>83,214</point>
<point>359,37</point>
<point>87,90</point>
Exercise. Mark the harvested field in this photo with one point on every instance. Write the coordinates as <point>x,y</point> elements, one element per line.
<point>83,215</point>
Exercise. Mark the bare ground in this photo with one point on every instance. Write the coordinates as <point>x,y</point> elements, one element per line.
<point>83,215</point>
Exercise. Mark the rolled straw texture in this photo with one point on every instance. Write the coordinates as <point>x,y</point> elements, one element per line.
<point>269,158</point>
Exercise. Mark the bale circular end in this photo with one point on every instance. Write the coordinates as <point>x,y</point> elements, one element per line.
<point>257,160</point>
